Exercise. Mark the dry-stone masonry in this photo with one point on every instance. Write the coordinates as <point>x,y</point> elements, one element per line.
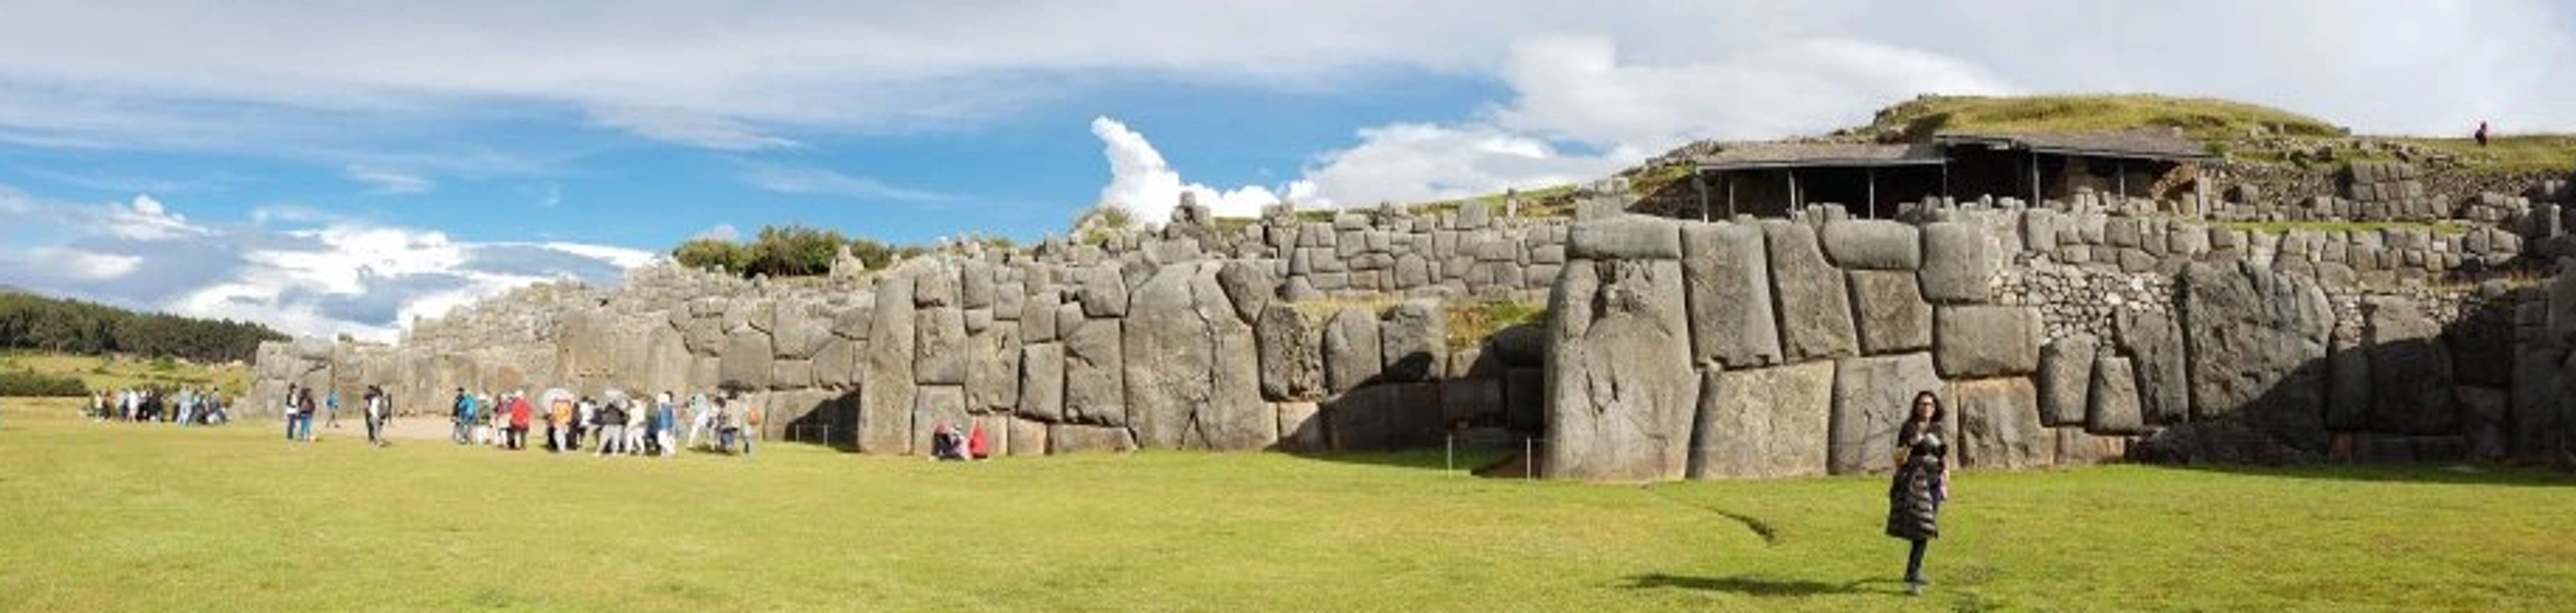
<point>2061,332</point>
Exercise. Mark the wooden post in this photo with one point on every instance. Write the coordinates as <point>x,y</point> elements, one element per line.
<point>1871,173</point>
<point>1730,195</point>
<point>2034,177</point>
<point>1945,180</point>
<point>1699,183</point>
<point>1793,189</point>
<point>2120,177</point>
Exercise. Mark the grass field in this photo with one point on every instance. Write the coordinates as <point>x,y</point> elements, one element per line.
<point>106,517</point>
<point>105,373</point>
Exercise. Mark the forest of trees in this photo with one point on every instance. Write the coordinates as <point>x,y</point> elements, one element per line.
<point>30,321</point>
<point>785,251</point>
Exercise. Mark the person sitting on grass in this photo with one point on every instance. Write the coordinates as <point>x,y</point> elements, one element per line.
<point>975,446</point>
<point>946,445</point>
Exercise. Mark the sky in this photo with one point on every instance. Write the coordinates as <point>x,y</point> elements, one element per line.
<point>349,167</point>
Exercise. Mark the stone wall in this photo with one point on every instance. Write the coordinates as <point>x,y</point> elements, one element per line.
<point>2061,333</point>
<point>1306,336</point>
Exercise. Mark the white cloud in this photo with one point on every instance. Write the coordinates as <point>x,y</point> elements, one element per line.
<point>145,219</point>
<point>1141,182</point>
<point>1420,162</point>
<point>687,127</point>
<point>1579,91</point>
<point>341,276</point>
<point>722,231</point>
<point>86,265</point>
<point>386,181</point>
<point>1592,85</point>
<point>824,182</point>
<point>620,257</point>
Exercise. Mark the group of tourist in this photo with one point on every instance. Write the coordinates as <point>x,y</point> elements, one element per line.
<point>185,406</point>
<point>615,423</point>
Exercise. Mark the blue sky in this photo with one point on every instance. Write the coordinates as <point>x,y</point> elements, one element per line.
<point>343,169</point>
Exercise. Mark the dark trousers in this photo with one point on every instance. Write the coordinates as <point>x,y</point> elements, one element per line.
<point>518,438</point>
<point>1914,562</point>
<point>375,430</point>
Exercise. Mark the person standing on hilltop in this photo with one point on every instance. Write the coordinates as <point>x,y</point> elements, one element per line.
<point>1921,484</point>
<point>2482,133</point>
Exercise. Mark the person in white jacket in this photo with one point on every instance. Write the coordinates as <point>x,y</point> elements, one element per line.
<point>702,420</point>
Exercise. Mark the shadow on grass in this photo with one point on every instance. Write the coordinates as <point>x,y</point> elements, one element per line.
<point>1421,459</point>
<point>2451,473</point>
<point>1758,586</point>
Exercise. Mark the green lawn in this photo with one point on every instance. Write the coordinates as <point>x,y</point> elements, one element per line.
<point>129,517</point>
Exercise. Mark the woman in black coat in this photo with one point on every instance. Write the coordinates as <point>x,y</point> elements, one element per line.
<point>1921,483</point>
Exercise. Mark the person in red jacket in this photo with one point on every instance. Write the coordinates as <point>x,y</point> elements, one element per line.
<point>975,446</point>
<point>519,411</point>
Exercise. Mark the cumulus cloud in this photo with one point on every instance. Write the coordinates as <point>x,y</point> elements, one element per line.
<point>331,276</point>
<point>1580,112</point>
<point>1141,182</point>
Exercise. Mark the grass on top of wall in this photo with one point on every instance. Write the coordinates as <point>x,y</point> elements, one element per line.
<point>115,517</point>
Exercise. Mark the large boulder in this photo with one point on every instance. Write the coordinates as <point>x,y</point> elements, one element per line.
<point>993,370</point>
<point>1890,312</point>
<point>2347,380</point>
<point>1413,337</point>
<point>1038,317</point>
<point>1104,291</point>
<point>1971,341</point>
<point>1292,358</point>
<point>1042,382</point>
<point>1192,370</point>
<point>748,363</point>
<point>1763,422</point>
<point>1999,424</point>
<point>1632,237</point>
<point>1619,377</point>
<point>1872,244</point>
<point>1727,280</point>
<point>1872,397</point>
<point>1249,286</point>
<point>940,345</point>
<point>1353,356</point>
<point>2154,347</point>
<point>886,386</point>
<point>1958,263</point>
<point>2410,370</point>
<point>1095,388</point>
<point>2112,406</point>
<point>1082,438</point>
<point>1814,308</point>
<point>2257,341</point>
<point>2065,377</point>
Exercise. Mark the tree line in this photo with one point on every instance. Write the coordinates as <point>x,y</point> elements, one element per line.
<point>28,321</point>
<point>790,251</point>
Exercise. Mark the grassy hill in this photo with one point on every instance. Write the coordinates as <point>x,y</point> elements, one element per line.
<point>101,373</point>
<point>2204,119</point>
<point>111,517</point>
